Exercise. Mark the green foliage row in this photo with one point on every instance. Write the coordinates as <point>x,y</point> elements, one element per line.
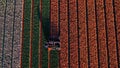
<point>46,27</point>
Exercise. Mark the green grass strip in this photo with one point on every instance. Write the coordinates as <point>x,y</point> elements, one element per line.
<point>54,59</point>
<point>46,30</point>
<point>35,34</point>
<point>25,58</point>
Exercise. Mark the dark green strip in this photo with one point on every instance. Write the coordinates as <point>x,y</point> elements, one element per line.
<point>35,34</point>
<point>25,54</point>
<point>54,59</point>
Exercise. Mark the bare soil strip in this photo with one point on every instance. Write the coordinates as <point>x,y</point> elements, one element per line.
<point>111,34</point>
<point>101,34</point>
<point>2,8</point>
<point>92,34</point>
<point>73,34</point>
<point>63,34</point>
<point>8,35</point>
<point>117,14</point>
<point>83,35</point>
<point>54,18</point>
<point>17,30</point>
